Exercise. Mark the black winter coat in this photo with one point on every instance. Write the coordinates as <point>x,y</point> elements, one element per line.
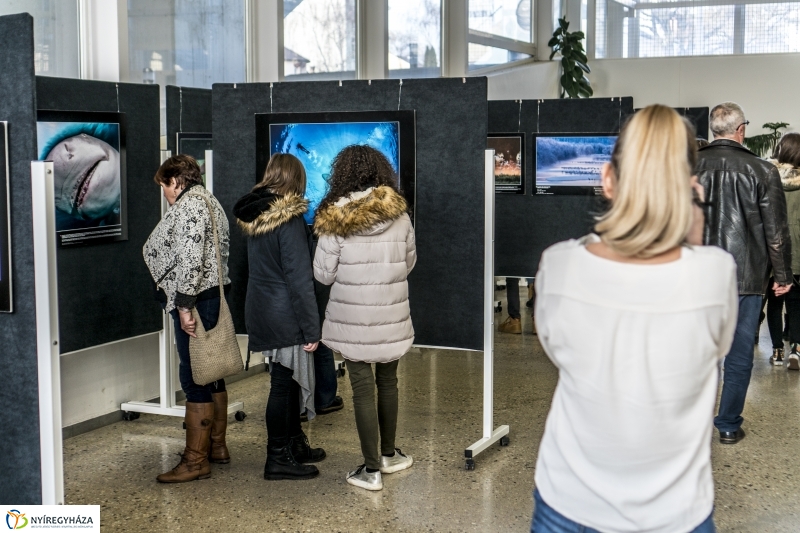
<point>281,307</point>
<point>747,215</point>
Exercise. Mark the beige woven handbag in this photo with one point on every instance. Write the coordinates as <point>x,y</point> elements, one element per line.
<point>214,353</point>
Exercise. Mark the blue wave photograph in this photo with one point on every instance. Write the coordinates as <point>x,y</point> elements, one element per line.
<point>317,144</point>
<point>572,161</point>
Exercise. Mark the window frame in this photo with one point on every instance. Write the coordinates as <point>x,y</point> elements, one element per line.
<point>505,43</point>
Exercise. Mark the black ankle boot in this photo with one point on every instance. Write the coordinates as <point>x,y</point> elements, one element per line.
<point>282,465</point>
<point>302,450</point>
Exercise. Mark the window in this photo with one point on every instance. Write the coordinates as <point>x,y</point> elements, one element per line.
<point>500,31</point>
<point>191,43</point>
<point>56,35</point>
<point>319,39</point>
<point>663,28</point>
<point>415,37</point>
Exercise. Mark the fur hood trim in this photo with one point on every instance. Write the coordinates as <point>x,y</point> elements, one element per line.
<point>281,210</point>
<point>360,213</point>
<point>790,176</point>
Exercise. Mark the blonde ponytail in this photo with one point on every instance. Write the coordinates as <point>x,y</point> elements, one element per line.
<point>653,162</point>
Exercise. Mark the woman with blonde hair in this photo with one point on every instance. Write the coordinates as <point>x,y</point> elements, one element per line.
<point>626,446</point>
<point>281,312</point>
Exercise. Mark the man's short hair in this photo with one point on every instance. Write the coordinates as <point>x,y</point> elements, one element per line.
<point>726,118</point>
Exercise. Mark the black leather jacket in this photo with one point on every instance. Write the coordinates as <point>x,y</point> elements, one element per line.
<point>747,213</point>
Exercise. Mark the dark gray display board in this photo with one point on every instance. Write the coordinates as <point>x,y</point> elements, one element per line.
<point>527,224</point>
<point>188,110</point>
<point>104,291</point>
<point>697,116</point>
<point>19,396</point>
<point>446,287</point>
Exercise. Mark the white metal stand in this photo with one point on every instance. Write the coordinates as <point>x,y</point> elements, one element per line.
<point>490,434</point>
<point>48,351</point>
<point>167,358</point>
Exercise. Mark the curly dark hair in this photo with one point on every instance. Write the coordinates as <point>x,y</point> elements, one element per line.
<point>181,168</point>
<point>357,168</point>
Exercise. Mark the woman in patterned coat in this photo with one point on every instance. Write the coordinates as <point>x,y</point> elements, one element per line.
<point>181,257</point>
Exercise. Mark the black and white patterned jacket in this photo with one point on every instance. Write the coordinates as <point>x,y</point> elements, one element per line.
<point>180,252</point>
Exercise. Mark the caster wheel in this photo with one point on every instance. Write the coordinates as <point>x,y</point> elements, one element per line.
<point>240,415</point>
<point>498,309</point>
<point>129,416</point>
<point>184,425</point>
<point>504,441</point>
<point>470,465</point>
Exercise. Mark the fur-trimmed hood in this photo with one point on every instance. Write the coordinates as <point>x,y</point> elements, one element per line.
<point>262,211</point>
<point>361,213</point>
<point>790,176</point>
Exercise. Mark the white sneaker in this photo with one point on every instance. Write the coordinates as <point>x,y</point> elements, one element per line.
<point>793,361</point>
<point>366,480</point>
<point>395,463</point>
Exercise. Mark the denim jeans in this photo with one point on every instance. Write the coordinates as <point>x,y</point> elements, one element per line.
<point>325,374</point>
<point>209,314</point>
<point>738,365</point>
<point>548,520</point>
<point>283,407</point>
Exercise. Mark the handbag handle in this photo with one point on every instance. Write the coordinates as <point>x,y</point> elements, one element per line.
<point>216,242</point>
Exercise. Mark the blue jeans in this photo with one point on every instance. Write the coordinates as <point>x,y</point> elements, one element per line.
<point>325,374</point>
<point>738,365</point>
<point>548,520</point>
<point>209,314</point>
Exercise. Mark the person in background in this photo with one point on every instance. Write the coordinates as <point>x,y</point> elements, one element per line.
<point>748,219</point>
<point>627,442</point>
<point>513,323</point>
<point>786,158</point>
<point>774,316</point>
<point>366,251</point>
<point>281,312</point>
<point>181,256</point>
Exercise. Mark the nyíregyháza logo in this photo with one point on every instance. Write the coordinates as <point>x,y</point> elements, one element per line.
<point>16,519</point>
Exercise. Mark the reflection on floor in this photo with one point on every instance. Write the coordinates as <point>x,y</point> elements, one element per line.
<point>440,414</point>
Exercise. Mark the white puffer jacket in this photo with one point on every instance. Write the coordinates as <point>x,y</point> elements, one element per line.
<point>366,250</point>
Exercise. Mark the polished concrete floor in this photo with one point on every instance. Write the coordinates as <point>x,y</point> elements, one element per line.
<point>757,480</point>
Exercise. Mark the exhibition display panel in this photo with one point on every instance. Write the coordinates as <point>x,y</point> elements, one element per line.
<point>6,292</point>
<point>95,281</point>
<point>29,475</point>
<point>551,214</point>
<point>316,139</point>
<point>450,125</point>
<point>88,154</point>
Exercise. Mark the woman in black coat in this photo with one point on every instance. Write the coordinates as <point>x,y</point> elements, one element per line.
<point>281,310</point>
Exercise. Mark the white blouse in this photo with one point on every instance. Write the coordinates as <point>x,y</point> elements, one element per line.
<point>627,443</point>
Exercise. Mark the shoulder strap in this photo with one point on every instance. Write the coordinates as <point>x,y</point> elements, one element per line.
<point>216,241</point>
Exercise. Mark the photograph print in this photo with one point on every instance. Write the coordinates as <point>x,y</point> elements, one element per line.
<point>570,164</point>
<point>6,299</point>
<point>509,162</point>
<point>195,145</point>
<point>316,138</point>
<point>88,154</point>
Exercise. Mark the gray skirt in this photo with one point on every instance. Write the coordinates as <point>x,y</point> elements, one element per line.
<point>302,364</point>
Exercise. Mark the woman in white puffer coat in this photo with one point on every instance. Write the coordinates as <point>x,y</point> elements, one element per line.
<point>366,250</point>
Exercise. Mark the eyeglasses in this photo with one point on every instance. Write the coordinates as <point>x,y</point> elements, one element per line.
<point>745,123</point>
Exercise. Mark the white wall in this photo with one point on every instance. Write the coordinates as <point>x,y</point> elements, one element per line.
<point>766,86</point>
<point>95,381</point>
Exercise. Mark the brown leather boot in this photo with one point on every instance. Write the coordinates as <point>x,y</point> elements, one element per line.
<point>194,461</point>
<point>511,325</point>
<point>218,452</point>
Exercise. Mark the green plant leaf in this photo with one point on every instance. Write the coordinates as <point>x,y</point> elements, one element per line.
<point>552,42</point>
<point>562,22</point>
<point>583,66</point>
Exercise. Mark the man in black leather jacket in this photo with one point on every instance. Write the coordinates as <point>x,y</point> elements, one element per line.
<point>747,217</point>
